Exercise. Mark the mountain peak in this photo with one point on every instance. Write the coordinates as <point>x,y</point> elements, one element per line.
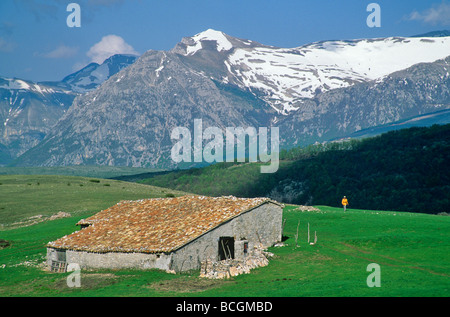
<point>194,43</point>
<point>212,40</point>
<point>92,75</point>
<point>210,34</point>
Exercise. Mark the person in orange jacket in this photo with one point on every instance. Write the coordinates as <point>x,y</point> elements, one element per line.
<point>344,203</point>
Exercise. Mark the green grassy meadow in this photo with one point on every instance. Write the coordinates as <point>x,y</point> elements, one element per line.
<point>78,170</point>
<point>413,250</point>
<point>24,197</point>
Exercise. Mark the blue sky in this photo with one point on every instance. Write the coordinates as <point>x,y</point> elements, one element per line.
<point>37,44</point>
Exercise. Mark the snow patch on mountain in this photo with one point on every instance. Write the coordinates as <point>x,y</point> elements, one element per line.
<point>286,76</point>
<point>93,75</point>
<point>19,84</point>
<point>209,35</point>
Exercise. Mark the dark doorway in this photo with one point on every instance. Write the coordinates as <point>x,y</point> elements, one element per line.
<point>226,248</point>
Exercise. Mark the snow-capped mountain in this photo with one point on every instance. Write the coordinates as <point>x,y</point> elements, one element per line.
<point>420,90</point>
<point>91,76</point>
<point>29,110</point>
<point>284,77</point>
<point>312,93</point>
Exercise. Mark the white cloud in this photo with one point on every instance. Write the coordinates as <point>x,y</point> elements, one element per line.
<point>436,15</point>
<point>108,46</point>
<point>61,51</point>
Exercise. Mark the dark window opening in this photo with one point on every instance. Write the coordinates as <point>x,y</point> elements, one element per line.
<point>245,247</point>
<point>226,248</point>
<point>61,255</point>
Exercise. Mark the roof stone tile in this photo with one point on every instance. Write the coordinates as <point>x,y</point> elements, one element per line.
<point>154,225</point>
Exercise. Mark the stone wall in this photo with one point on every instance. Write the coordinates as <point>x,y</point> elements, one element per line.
<point>260,227</point>
<point>112,260</point>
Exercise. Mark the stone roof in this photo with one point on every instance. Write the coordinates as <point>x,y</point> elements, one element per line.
<point>154,225</point>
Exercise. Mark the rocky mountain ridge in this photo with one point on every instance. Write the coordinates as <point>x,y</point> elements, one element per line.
<point>312,93</point>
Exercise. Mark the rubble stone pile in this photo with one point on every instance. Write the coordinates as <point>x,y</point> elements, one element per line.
<point>233,267</point>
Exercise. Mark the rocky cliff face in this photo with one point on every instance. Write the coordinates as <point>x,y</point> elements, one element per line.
<point>128,120</point>
<point>27,113</point>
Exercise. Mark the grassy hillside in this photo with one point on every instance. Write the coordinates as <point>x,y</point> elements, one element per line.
<point>25,199</point>
<point>79,170</point>
<point>413,251</point>
<point>404,170</point>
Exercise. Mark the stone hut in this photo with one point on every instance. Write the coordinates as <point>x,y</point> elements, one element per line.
<point>173,234</point>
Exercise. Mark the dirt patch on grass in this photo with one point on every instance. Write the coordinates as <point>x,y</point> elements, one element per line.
<point>4,244</point>
<point>33,220</point>
<point>88,281</point>
<point>187,284</point>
